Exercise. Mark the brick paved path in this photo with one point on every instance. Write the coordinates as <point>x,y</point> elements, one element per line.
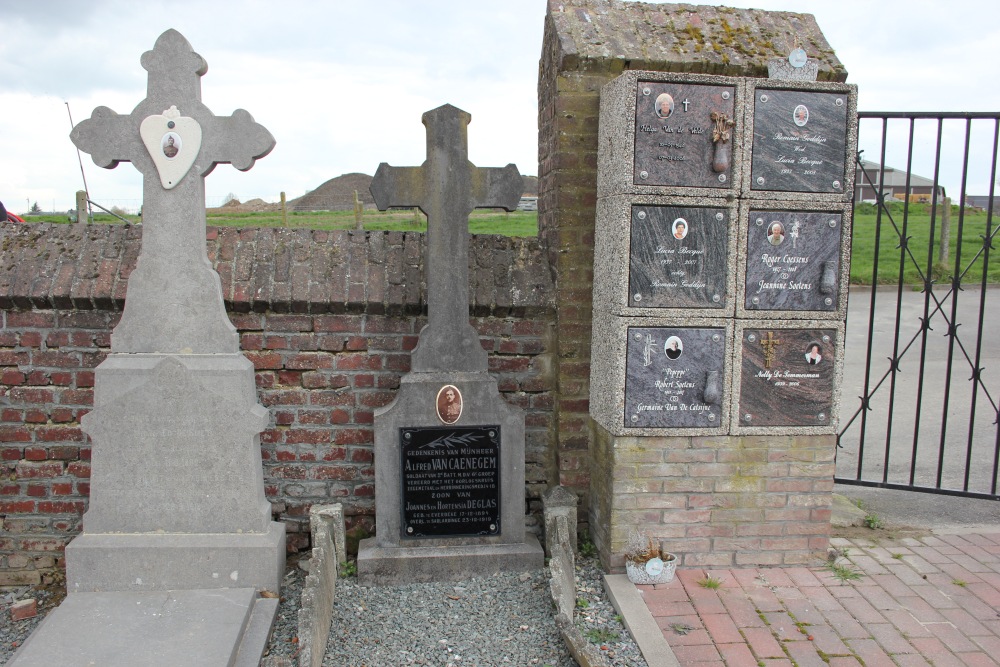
<point>918,601</point>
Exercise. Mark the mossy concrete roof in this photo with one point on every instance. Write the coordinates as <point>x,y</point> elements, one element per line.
<point>678,37</point>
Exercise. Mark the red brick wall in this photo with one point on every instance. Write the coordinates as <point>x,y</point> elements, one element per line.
<point>327,318</point>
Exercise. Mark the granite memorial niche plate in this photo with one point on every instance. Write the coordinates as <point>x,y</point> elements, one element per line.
<point>793,260</point>
<point>684,134</point>
<point>799,141</point>
<point>674,377</point>
<point>451,481</point>
<point>787,377</point>
<point>678,257</point>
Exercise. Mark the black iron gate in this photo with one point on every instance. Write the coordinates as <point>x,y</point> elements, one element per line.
<point>919,400</point>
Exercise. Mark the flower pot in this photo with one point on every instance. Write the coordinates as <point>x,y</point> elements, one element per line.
<point>653,571</point>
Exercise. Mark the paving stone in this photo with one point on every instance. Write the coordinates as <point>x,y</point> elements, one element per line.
<point>763,643</point>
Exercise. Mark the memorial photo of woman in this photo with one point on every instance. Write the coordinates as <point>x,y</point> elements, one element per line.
<point>814,354</point>
<point>679,228</point>
<point>776,233</point>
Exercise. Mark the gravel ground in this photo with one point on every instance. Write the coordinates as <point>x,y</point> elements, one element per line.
<point>502,620</point>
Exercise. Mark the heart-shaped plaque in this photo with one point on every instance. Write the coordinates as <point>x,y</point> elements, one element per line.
<point>173,141</point>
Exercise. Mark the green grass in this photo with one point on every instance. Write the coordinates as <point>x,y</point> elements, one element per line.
<point>918,231</point>
<point>601,635</point>
<point>710,582</point>
<point>517,223</point>
<point>844,572</point>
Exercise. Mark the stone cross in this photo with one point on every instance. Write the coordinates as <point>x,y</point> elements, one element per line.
<point>768,345</point>
<point>447,187</point>
<point>174,302</point>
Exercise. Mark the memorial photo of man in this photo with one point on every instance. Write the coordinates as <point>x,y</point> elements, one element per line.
<point>673,347</point>
<point>449,404</point>
<point>814,354</point>
<point>170,145</point>
<point>776,233</point>
<point>664,105</point>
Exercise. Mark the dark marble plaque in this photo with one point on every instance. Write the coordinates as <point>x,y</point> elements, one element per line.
<point>793,260</point>
<point>451,481</point>
<point>674,134</point>
<point>799,139</point>
<point>787,377</point>
<point>678,257</point>
<point>674,377</point>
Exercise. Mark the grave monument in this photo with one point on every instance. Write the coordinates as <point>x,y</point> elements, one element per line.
<point>449,451</point>
<point>178,530</point>
<point>720,293</point>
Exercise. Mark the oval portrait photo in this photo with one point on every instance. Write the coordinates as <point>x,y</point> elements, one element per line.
<point>673,347</point>
<point>776,233</point>
<point>800,115</point>
<point>171,144</point>
<point>449,404</point>
<point>679,228</point>
<point>664,105</point>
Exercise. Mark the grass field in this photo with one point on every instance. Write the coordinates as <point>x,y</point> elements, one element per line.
<point>971,259</point>
<point>521,223</point>
<point>517,223</point>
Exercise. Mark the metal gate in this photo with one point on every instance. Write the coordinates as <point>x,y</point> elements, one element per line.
<point>919,398</point>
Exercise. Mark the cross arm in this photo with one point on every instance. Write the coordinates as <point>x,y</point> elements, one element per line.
<point>108,137</point>
<point>237,140</point>
<point>497,187</point>
<point>397,186</point>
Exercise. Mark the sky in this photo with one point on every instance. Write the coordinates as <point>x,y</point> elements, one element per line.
<point>342,84</point>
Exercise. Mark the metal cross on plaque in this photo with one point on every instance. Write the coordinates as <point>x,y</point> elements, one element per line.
<point>768,343</point>
<point>447,187</point>
<point>174,302</point>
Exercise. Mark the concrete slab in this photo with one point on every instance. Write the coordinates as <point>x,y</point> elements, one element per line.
<point>196,628</point>
<point>401,565</point>
<point>635,615</point>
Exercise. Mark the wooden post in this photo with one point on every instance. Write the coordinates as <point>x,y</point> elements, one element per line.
<point>284,211</point>
<point>81,207</point>
<point>359,209</point>
<point>943,241</point>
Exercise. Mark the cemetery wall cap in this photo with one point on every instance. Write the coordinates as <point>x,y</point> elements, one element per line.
<point>612,36</point>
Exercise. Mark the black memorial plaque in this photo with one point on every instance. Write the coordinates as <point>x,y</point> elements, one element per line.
<point>678,257</point>
<point>450,481</point>
<point>676,142</point>
<point>787,377</point>
<point>799,139</point>
<point>674,377</point>
<point>793,260</point>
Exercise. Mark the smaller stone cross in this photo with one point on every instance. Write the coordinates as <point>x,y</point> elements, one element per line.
<point>768,345</point>
<point>447,187</point>
<point>174,302</point>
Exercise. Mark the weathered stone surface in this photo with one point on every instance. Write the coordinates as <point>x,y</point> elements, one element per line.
<point>175,298</point>
<point>448,386</point>
<point>674,37</point>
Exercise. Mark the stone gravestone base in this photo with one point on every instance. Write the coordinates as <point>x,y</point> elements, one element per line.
<point>392,557</point>
<point>180,503</point>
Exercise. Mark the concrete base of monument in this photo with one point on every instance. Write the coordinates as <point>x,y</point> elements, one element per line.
<point>196,628</point>
<point>163,562</point>
<point>404,565</point>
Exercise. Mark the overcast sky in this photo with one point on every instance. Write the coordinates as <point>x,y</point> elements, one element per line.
<point>342,85</point>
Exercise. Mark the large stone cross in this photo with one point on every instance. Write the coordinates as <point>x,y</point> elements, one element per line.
<point>447,187</point>
<point>174,302</point>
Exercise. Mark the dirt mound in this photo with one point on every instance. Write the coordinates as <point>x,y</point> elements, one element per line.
<point>337,194</point>
<point>253,206</point>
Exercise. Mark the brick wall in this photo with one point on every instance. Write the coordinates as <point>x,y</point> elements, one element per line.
<point>724,501</point>
<point>327,318</point>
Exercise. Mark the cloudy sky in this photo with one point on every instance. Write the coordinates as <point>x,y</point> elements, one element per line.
<point>342,84</point>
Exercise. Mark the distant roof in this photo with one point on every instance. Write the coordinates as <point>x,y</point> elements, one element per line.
<point>893,177</point>
<point>676,37</point>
